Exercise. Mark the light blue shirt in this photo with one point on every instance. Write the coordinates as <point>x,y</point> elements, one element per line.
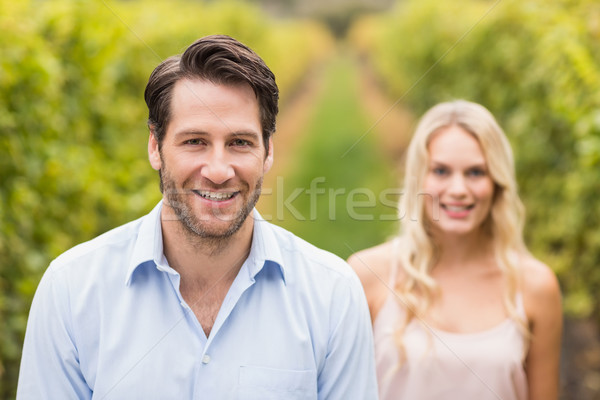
<point>108,322</point>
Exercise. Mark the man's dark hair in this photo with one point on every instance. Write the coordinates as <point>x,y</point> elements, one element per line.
<point>218,59</point>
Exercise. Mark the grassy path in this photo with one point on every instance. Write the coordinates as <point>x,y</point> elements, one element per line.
<point>294,115</point>
<point>335,188</point>
<point>391,123</point>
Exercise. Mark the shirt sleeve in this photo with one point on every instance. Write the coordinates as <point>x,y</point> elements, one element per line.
<point>50,363</point>
<point>349,370</point>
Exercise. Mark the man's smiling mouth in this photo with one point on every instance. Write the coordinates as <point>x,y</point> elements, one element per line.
<point>214,196</point>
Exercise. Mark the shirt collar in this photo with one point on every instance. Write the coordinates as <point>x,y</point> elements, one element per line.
<point>265,248</point>
<point>148,246</point>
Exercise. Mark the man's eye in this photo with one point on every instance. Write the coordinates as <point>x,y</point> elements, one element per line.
<point>240,142</point>
<point>193,141</point>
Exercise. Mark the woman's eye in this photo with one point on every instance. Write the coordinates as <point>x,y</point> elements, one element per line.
<point>439,171</point>
<point>476,172</point>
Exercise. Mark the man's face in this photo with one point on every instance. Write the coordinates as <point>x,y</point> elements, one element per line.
<point>212,159</point>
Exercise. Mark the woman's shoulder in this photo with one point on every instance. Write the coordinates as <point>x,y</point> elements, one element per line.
<point>373,263</point>
<point>539,285</point>
<point>538,277</point>
<point>373,267</point>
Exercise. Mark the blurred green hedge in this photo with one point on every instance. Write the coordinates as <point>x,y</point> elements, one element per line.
<point>73,131</point>
<point>536,66</point>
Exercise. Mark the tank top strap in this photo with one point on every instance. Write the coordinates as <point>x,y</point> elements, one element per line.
<point>394,267</point>
<point>520,307</point>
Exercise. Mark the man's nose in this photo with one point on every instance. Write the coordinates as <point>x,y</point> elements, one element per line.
<point>218,168</point>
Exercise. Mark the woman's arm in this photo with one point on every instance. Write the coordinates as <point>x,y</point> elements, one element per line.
<point>544,311</point>
<point>373,268</point>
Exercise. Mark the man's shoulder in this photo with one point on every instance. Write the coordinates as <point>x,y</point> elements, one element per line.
<point>116,240</point>
<point>298,251</point>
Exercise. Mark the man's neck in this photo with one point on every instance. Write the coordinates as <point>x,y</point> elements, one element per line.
<point>205,262</point>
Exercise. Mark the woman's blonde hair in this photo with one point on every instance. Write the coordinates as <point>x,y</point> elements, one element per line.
<point>505,223</point>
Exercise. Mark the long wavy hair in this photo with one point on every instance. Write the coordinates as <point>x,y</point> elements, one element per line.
<point>504,224</point>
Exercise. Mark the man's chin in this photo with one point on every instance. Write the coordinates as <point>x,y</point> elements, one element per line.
<point>215,227</point>
<point>218,231</point>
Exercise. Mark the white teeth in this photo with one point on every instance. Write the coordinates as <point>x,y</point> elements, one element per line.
<point>456,208</point>
<point>215,195</point>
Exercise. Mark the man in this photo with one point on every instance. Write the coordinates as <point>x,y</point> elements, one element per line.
<point>201,299</point>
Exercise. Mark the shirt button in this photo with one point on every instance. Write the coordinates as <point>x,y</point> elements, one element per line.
<point>206,359</point>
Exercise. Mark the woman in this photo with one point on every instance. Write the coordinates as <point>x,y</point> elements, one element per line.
<point>460,309</point>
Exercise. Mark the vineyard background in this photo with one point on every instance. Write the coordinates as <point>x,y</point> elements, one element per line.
<point>353,77</point>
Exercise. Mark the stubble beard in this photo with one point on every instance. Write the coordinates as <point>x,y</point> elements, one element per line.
<point>177,199</point>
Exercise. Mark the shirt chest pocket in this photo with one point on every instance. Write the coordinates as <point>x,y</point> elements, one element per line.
<point>259,383</point>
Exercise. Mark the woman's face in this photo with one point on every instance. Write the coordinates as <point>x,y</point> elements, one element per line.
<point>458,188</point>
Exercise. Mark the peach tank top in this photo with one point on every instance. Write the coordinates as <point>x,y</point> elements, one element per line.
<point>445,365</point>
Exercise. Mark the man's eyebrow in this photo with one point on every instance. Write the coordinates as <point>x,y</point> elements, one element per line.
<point>199,132</point>
<point>251,134</point>
<point>190,132</point>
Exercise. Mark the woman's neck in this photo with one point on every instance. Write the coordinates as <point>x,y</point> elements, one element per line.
<point>465,250</point>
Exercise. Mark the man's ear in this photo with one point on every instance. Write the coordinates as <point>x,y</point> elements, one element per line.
<point>153,152</point>
<point>269,159</point>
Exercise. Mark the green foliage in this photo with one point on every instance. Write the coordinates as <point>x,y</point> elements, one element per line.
<point>536,66</point>
<point>72,123</point>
